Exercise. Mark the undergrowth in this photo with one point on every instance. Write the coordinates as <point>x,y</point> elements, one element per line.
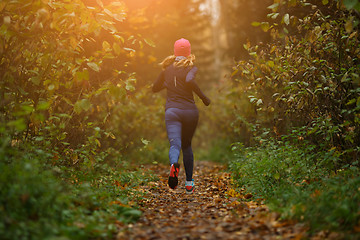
<point>300,182</point>
<point>40,200</point>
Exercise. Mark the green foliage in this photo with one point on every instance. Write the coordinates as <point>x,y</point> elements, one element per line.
<point>35,204</point>
<point>28,209</point>
<point>69,113</point>
<point>308,76</point>
<point>64,76</point>
<point>73,110</point>
<point>296,181</point>
<point>352,4</point>
<point>297,97</point>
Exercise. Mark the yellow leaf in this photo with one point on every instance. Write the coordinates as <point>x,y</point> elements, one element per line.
<point>149,42</point>
<point>273,49</point>
<point>98,142</point>
<point>117,48</point>
<point>349,25</point>
<point>265,26</point>
<point>94,66</point>
<point>106,46</point>
<point>235,72</point>
<point>270,64</point>
<point>332,149</point>
<point>112,135</point>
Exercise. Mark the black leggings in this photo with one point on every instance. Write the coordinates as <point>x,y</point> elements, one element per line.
<point>180,126</point>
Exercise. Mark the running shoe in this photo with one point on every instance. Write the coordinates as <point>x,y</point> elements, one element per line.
<point>190,186</point>
<point>173,177</point>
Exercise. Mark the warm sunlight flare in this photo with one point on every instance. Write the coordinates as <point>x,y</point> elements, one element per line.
<point>179,119</point>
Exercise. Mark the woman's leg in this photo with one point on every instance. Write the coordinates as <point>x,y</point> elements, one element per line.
<point>189,120</point>
<point>173,127</point>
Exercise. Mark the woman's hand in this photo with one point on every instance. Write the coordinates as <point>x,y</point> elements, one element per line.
<point>206,101</point>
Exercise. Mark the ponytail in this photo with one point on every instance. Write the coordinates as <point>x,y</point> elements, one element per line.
<point>187,62</point>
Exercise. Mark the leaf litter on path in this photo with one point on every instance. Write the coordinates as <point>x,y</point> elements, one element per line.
<point>213,211</point>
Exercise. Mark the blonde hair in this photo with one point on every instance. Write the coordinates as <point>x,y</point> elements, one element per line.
<point>188,61</point>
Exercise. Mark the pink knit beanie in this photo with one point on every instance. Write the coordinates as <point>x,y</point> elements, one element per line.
<point>182,47</point>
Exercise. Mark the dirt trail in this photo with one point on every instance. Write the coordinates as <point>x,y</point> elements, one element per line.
<point>211,212</point>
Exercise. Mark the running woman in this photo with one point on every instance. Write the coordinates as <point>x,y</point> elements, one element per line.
<point>181,113</point>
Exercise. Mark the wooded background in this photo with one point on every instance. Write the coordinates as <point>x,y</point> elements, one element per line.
<point>76,102</point>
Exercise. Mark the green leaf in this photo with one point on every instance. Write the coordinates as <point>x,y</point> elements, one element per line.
<point>39,139</point>
<point>129,86</point>
<point>252,100</point>
<point>352,101</point>
<point>255,24</point>
<point>77,108</point>
<point>273,15</point>
<point>19,124</point>
<point>27,108</point>
<point>129,49</point>
<point>345,78</point>
<point>144,141</point>
<point>277,176</point>
<point>265,26</point>
<point>84,75</point>
<point>35,80</point>
<point>273,6</point>
<point>5,32</point>
<point>286,19</point>
<point>357,7</point>
<point>349,4</point>
<point>94,66</point>
<point>82,105</point>
<point>51,87</point>
<point>324,2</point>
<point>131,214</point>
<point>43,105</point>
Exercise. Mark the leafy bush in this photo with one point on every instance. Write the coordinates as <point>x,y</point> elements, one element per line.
<point>307,76</point>
<point>295,182</point>
<point>40,201</point>
<point>303,89</point>
<point>32,200</point>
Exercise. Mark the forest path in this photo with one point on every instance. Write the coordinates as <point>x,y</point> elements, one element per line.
<point>211,212</point>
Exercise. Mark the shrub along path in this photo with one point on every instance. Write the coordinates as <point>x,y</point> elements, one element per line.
<point>213,211</point>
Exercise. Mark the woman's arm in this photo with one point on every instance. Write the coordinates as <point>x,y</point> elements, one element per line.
<point>190,79</point>
<point>159,83</point>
